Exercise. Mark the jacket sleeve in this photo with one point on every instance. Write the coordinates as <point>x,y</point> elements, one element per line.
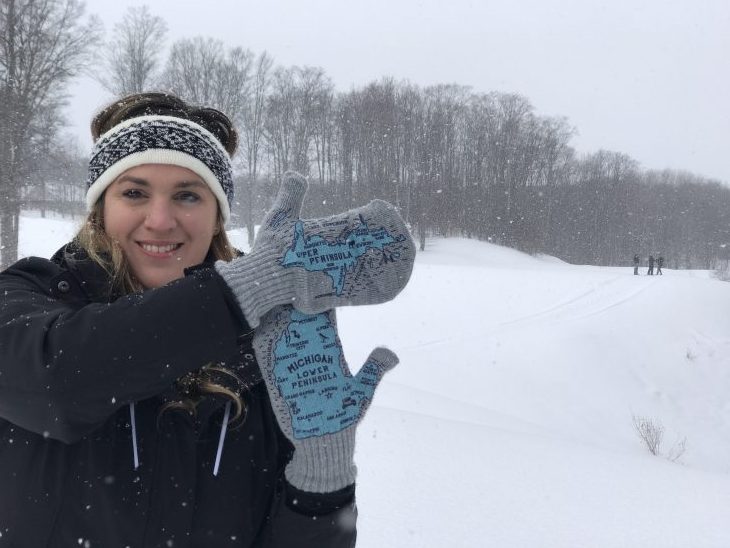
<point>302,520</point>
<point>67,366</point>
<point>299,519</point>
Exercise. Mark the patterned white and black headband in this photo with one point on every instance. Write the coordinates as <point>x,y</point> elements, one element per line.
<point>160,140</point>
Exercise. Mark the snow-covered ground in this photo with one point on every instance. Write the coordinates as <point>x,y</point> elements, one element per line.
<point>508,422</point>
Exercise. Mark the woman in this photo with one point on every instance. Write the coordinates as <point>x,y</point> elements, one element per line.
<point>125,357</point>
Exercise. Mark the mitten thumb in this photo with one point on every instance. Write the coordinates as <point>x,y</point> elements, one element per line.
<point>288,203</point>
<point>380,361</point>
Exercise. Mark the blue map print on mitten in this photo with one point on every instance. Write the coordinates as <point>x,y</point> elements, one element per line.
<point>315,254</point>
<point>310,373</point>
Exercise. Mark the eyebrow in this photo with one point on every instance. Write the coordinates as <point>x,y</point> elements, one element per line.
<point>145,182</point>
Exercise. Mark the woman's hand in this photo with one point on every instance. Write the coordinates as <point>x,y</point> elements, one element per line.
<point>362,256</point>
<point>317,401</point>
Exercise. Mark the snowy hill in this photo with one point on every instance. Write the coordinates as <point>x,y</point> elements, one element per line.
<point>509,423</point>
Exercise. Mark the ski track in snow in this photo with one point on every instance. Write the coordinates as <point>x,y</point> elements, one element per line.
<point>604,297</point>
<point>597,300</point>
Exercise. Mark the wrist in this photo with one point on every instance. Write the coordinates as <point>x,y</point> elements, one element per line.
<point>258,283</point>
<point>325,464</point>
<point>319,504</point>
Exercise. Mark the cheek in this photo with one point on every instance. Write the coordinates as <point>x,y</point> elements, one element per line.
<point>116,224</point>
<point>120,221</point>
<point>203,222</point>
<point>111,221</point>
<point>201,229</point>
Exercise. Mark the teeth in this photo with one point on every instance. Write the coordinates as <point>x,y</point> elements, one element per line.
<point>159,248</point>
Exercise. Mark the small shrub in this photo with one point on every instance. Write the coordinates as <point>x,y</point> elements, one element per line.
<point>651,433</point>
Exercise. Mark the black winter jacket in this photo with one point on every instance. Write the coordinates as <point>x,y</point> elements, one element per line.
<point>72,359</point>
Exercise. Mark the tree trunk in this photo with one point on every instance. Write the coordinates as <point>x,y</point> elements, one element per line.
<point>248,206</point>
<point>9,234</point>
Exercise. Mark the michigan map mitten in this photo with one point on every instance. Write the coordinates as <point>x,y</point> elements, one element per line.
<point>361,256</point>
<point>318,403</point>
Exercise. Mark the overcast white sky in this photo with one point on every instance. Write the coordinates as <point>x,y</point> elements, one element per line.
<point>650,78</point>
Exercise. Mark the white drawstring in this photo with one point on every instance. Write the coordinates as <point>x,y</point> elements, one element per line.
<point>134,435</point>
<point>224,427</point>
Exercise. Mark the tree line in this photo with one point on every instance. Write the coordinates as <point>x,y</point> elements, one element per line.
<point>457,162</point>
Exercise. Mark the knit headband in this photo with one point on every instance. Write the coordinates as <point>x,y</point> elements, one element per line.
<point>160,140</point>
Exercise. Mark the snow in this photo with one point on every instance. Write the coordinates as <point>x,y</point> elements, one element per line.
<point>508,422</point>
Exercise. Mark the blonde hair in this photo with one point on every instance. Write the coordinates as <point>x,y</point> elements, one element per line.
<point>104,251</point>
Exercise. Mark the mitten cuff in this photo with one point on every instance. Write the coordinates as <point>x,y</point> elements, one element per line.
<point>258,282</point>
<point>323,465</point>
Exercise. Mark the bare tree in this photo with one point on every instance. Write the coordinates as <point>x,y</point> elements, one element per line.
<point>252,134</point>
<point>203,71</point>
<point>279,119</point>
<point>291,114</point>
<point>43,43</point>
<point>132,55</point>
<point>323,131</point>
<point>192,67</point>
<point>313,89</point>
<point>347,114</point>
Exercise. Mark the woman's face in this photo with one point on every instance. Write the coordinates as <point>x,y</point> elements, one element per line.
<point>164,218</point>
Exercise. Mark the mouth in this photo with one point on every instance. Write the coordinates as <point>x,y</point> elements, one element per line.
<point>159,250</point>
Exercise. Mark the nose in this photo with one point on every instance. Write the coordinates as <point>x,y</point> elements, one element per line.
<point>160,216</point>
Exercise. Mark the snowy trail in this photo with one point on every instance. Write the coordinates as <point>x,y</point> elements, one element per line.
<point>607,295</point>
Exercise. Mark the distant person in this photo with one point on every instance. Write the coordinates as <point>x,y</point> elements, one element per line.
<point>651,266</point>
<point>659,264</point>
<point>636,265</point>
<point>126,356</point>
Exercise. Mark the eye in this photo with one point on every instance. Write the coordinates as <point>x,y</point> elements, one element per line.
<point>187,196</point>
<point>133,193</point>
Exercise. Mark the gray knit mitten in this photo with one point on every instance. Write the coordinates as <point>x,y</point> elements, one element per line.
<point>317,402</point>
<point>362,256</point>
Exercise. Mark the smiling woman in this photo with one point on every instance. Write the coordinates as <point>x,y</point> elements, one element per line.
<point>124,358</point>
<point>141,141</point>
<point>163,218</point>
